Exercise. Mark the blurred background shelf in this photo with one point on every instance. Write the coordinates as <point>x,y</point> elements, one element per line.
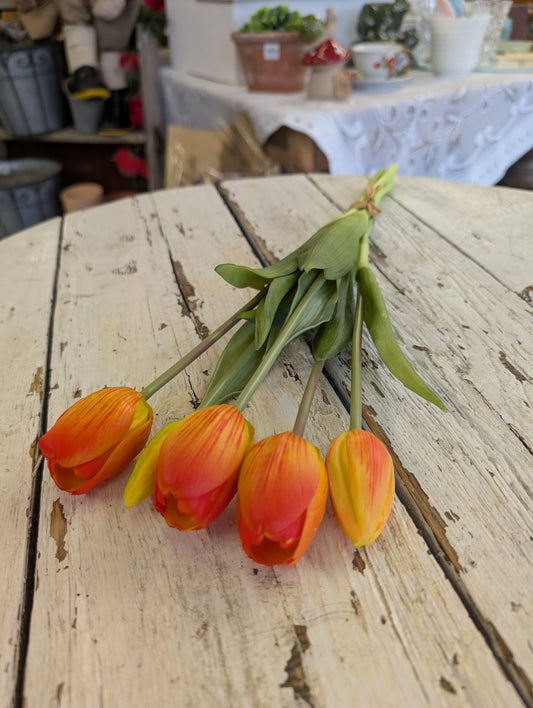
<point>71,135</point>
<point>90,157</point>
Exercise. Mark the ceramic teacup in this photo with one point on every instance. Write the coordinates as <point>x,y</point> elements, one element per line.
<point>380,61</point>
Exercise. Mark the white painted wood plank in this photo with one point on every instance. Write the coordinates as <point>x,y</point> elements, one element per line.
<point>27,266</point>
<point>128,612</point>
<point>490,334</point>
<point>474,222</point>
<point>469,470</point>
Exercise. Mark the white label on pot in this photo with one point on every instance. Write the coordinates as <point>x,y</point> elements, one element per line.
<point>271,51</point>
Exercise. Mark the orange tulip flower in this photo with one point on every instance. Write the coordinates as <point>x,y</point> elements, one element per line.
<point>361,484</point>
<point>281,498</point>
<point>192,466</point>
<point>96,438</point>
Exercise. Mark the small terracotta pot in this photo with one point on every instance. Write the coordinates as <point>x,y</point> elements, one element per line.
<point>271,61</point>
<point>81,196</point>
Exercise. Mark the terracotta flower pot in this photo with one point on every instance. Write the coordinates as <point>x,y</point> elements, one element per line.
<point>81,196</point>
<point>271,61</point>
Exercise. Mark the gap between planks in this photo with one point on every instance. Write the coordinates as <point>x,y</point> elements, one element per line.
<point>34,510</point>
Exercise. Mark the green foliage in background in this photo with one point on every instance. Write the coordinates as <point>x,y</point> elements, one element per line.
<point>281,19</point>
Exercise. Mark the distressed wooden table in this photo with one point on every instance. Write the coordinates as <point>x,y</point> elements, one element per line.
<point>104,606</point>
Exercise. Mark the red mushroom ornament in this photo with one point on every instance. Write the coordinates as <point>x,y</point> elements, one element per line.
<point>326,62</point>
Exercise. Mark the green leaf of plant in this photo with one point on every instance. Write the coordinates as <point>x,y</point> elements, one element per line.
<point>244,277</point>
<point>304,283</point>
<point>335,247</point>
<point>320,309</point>
<point>377,320</point>
<point>285,266</point>
<point>267,308</point>
<point>334,335</point>
<point>240,276</point>
<point>236,364</point>
<point>316,306</point>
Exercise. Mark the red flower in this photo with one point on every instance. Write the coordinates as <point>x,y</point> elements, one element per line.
<point>281,498</point>
<point>155,5</point>
<point>129,62</point>
<point>96,438</point>
<point>136,111</point>
<point>128,164</point>
<point>192,466</point>
<point>361,484</point>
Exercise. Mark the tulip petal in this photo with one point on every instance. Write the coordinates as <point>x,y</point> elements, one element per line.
<point>90,427</point>
<point>142,480</point>
<point>96,438</point>
<point>203,451</point>
<point>361,480</point>
<point>277,482</point>
<point>196,513</point>
<point>281,499</point>
<point>198,463</point>
<point>120,457</point>
<point>312,519</point>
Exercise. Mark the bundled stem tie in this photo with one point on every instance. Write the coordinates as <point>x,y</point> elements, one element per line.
<point>367,201</point>
<point>194,467</point>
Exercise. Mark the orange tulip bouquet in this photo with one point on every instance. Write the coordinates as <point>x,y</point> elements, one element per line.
<point>194,467</point>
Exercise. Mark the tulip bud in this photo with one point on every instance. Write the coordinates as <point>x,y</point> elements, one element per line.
<point>361,484</point>
<point>192,466</point>
<point>281,498</point>
<point>96,438</point>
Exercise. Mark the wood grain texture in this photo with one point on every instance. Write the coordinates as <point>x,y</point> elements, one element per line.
<point>130,613</point>
<point>27,268</point>
<point>479,226</point>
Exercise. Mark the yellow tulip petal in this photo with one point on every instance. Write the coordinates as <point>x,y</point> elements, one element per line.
<point>142,480</point>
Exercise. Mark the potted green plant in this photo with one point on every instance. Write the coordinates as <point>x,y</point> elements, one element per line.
<point>271,46</point>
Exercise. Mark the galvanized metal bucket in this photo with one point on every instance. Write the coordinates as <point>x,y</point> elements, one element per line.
<point>29,193</point>
<point>31,99</point>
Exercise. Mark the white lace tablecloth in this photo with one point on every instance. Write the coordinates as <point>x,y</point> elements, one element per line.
<point>470,129</point>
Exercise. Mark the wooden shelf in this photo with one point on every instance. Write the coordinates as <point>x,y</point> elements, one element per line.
<point>71,135</point>
<point>151,138</point>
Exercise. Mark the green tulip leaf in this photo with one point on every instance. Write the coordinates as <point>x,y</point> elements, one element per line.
<point>335,247</point>
<point>377,320</point>
<point>235,366</point>
<point>285,266</point>
<point>244,277</point>
<point>318,310</point>
<point>304,283</point>
<point>240,276</point>
<point>269,305</point>
<point>334,335</point>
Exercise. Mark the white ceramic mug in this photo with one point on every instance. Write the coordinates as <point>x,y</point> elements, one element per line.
<point>456,43</point>
<point>379,61</point>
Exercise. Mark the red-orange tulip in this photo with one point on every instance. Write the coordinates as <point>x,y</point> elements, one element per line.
<point>361,484</point>
<point>192,466</point>
<point>281,499</point>
<point>96,438</point>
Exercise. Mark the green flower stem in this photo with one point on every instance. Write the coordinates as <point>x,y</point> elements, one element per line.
<point>201,347</point>
<point>307,398</point>
<point>364,250</point>
<point>356,415</point>
<point>385,179</point>
<point>281,340</point>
